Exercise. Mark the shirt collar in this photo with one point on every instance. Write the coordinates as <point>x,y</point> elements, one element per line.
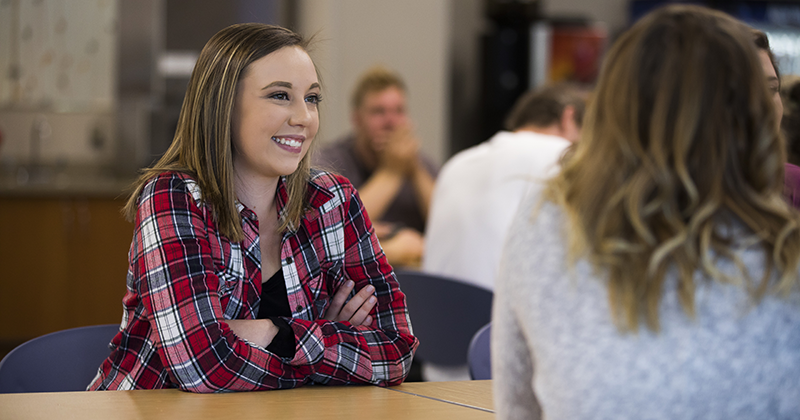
<point>317,194</point>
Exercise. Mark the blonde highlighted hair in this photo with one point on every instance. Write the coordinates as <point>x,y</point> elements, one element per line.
<point>679,144</point>
<point>202,145</point>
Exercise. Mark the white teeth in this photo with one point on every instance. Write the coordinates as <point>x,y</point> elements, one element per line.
<point>288,142</point>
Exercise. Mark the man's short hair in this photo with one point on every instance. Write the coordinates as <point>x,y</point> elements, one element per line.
<point>375,79</point>
<point>543,107</point>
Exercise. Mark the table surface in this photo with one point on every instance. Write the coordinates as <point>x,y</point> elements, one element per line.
<point>474,394</point>
<point>464,400</point>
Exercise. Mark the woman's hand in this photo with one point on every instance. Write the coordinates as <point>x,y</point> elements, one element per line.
<point>257,331</point>
<point>357,310</point>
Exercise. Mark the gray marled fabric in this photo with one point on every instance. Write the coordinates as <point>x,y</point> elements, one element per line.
<point>554,345</point>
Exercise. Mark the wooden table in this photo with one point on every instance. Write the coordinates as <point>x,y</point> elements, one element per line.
<point>464,400</point>
<point>473,394</point>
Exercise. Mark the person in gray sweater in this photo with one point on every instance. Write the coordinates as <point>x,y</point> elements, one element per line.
<point>656,276</point>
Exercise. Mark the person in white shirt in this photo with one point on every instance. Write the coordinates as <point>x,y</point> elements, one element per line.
<point>479,189</point>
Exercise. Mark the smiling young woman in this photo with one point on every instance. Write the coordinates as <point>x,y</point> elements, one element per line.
<point>248,269</point>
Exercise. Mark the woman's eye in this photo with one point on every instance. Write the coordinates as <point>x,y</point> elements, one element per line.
<point>313,99</point>
<point>281,96</point>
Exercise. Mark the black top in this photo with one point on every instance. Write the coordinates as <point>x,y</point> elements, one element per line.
<point>274,299</point>
<point>274,305</point>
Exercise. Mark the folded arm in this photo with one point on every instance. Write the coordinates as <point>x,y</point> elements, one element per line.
<point>203,352</point>
<point>179,288</point>
<point>377,352</point>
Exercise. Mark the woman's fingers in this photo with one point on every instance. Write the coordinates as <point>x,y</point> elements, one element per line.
<point>354,305</point>
<point>357,309</point>
<point>362,317</point>
<point>338,301</point>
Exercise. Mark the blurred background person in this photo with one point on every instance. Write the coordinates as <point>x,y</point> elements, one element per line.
<point>479,189</point>
<point>659,278</point>
<point>382,160</point>
<point>790,96</point>
<point>790,124</point>
<point>791,175</point>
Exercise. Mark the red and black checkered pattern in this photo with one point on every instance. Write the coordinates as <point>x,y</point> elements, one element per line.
<point>185,280</point>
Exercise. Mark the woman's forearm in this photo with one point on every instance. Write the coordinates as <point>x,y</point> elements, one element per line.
<point>257,331</point>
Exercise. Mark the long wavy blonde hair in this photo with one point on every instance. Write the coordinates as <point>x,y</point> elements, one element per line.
<point>680,142</point>
<point>202,145</point>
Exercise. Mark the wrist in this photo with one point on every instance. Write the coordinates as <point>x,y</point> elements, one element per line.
<point>270,331</point>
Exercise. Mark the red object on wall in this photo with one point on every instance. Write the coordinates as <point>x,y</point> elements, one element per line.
<point>576,53</point>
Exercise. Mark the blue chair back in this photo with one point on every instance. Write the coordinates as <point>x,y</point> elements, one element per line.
<point>61,361</point>
<point>479,355</point>
<point>445,314</point>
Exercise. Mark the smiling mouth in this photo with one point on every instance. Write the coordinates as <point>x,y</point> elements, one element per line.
<point>287,142</point>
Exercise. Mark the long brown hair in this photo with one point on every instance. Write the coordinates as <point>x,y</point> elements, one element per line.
<point>202,144</point>
<point>679,148</point>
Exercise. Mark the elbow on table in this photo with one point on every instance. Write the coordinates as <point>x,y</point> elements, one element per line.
<point>204,389</point>
<point>212,388</point>
<point>398,372</point>
<point>220,378</point>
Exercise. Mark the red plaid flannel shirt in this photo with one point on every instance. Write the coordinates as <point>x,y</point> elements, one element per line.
<point>185,280</point>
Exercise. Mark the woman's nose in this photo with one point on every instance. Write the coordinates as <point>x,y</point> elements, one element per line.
<point>302,114</point>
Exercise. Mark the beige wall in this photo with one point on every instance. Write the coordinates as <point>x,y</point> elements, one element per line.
<point>410,36</point>
<point>430,42</point>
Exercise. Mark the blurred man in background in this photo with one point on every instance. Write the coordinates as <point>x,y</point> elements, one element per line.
<point>479,189</point>
<point>382,160</point>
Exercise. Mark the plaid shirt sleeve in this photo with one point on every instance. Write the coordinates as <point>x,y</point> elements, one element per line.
<point>338,352</point>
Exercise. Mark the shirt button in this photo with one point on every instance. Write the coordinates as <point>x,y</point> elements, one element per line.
<point>298,308</point>
<point>288,260</point>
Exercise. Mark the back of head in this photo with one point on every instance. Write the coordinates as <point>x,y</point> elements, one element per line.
<point>375,79</point>
<point>679,139</point>
<point>543,107</point>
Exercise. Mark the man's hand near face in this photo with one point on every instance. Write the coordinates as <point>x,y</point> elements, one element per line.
<point>401,153</point>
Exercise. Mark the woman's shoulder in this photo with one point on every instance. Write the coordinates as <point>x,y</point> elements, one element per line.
<point>172,182</point>
<point>537,236</point>
<point>331,182</point>
<point>536,210</point>
<point>792,174</point>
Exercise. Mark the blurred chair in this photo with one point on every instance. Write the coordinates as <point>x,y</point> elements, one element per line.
<point>61,361</point>
<point>445,314</point>
<point>479,354</point>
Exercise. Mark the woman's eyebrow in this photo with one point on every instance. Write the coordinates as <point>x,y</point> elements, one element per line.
<point>288,85</point>
<point>278,83</point>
